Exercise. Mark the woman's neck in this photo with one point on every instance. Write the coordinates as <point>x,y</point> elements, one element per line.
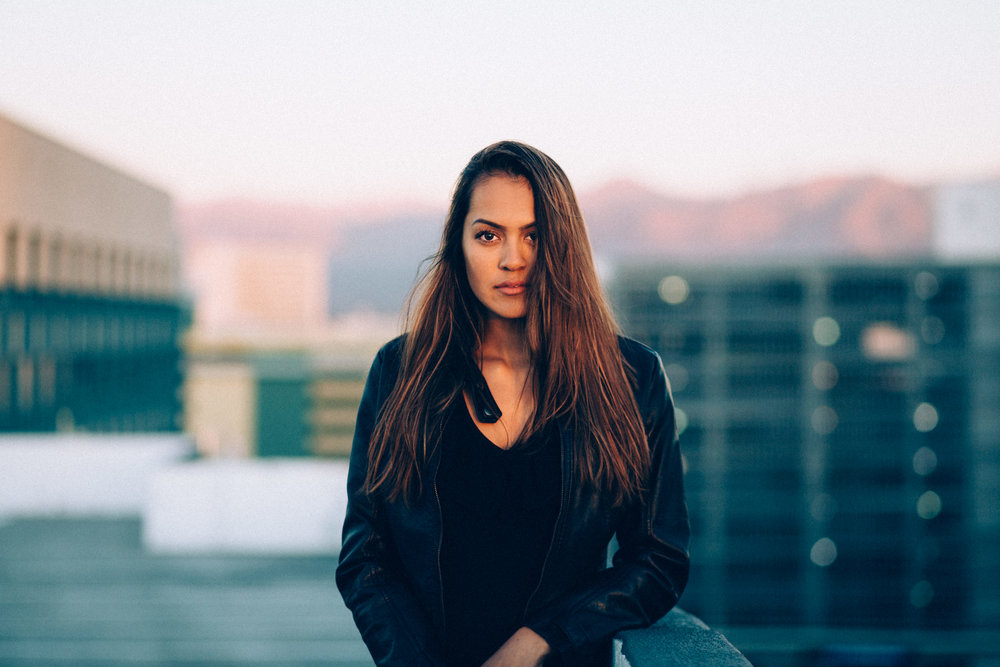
<point>506,342</point>
<point>505,361</point>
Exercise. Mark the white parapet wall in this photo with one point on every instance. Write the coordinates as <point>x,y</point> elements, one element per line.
<point>254,506</point>
<point>83,474</point>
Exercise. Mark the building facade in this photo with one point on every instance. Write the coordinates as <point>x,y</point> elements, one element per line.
<point>841,434</point>
<point>90,300</point>
<point>274,402</point>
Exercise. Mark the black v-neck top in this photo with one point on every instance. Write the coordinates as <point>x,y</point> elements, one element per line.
<point>498,509</point>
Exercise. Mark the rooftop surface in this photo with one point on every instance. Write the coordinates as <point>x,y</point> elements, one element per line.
<point>84,591</point>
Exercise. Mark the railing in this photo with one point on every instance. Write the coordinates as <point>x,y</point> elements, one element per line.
<point>676,640</point>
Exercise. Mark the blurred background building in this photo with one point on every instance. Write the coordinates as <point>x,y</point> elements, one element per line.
<point>840,426</point>
<point>94,468</point>
<point>842,439</point>
<point>91,309</point>
<point>268,402</point>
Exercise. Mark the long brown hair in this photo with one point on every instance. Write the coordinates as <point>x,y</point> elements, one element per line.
<point>578,370</point>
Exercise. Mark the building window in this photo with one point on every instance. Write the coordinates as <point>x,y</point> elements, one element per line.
<point>47,382</point>
<point>34,264</point>
<point>55,263</point>
<point>5,388</point>
<point>99,271</point>
<point>25,385</point>
<point>15,332</point>
<point>10,256</point>
<point>38,332</point>
<point>141,275</point>
<point>74,268</point>
<point>128,270</point>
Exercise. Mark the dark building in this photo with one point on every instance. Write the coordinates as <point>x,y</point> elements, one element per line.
<point>90,306</point>
<point>841,428</point>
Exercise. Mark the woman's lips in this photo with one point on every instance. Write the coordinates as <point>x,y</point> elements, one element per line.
<point>511,288</point>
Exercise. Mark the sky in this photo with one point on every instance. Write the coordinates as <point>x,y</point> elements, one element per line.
<point>338,102</point>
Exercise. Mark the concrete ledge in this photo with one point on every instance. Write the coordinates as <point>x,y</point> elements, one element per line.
<point>83,475</point>
<point>678,640</point>
<point>260,506</point>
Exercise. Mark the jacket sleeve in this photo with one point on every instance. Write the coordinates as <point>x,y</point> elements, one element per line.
<point>650,569</point>
<point>392,623</point>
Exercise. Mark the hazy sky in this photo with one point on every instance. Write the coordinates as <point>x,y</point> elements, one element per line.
<point>327,102</point>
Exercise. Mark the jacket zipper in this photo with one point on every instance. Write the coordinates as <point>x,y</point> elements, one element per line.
<point>440,546</point>
<point>565,459</point>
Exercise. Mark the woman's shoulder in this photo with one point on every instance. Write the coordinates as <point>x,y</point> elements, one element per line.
<point>639,356</point>
<point>393,350</point>
<point>649,382</point>
<point>388,359</point>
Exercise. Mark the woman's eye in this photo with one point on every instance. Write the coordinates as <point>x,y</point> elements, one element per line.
<point>533,237</point>
<point>486,236</point>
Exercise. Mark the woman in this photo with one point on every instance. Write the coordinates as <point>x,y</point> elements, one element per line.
<point>504,440</point>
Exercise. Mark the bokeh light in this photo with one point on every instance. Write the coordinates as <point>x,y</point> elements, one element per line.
<point>826,331</point>
<point>674,290</point>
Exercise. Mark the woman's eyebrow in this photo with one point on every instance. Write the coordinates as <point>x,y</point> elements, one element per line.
<point>497,225</point>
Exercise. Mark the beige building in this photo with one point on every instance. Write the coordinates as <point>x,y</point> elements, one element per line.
<point>69,223</point>
<point>252,286</point>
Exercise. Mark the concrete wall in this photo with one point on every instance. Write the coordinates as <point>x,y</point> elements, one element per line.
<point>275,506</point>
<point>83,475</point>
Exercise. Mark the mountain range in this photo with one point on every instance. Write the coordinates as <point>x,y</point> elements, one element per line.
<point>375,252</point>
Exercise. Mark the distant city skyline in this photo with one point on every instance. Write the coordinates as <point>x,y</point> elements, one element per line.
<point>326,102</point>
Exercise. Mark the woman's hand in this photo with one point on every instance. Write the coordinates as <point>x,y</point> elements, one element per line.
<point>525,648</point>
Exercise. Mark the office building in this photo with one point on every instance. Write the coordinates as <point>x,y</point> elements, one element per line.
<point>841,434</point>
<point>90,301</point>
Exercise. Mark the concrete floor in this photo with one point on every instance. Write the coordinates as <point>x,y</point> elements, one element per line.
<point>83,591</point>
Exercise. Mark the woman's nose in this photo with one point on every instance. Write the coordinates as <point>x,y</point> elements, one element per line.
<point>514,257</point>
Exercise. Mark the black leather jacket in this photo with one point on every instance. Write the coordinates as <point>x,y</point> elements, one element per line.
<point>389,574</point>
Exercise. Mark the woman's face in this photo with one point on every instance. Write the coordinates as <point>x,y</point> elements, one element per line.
<point>500,242</point>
